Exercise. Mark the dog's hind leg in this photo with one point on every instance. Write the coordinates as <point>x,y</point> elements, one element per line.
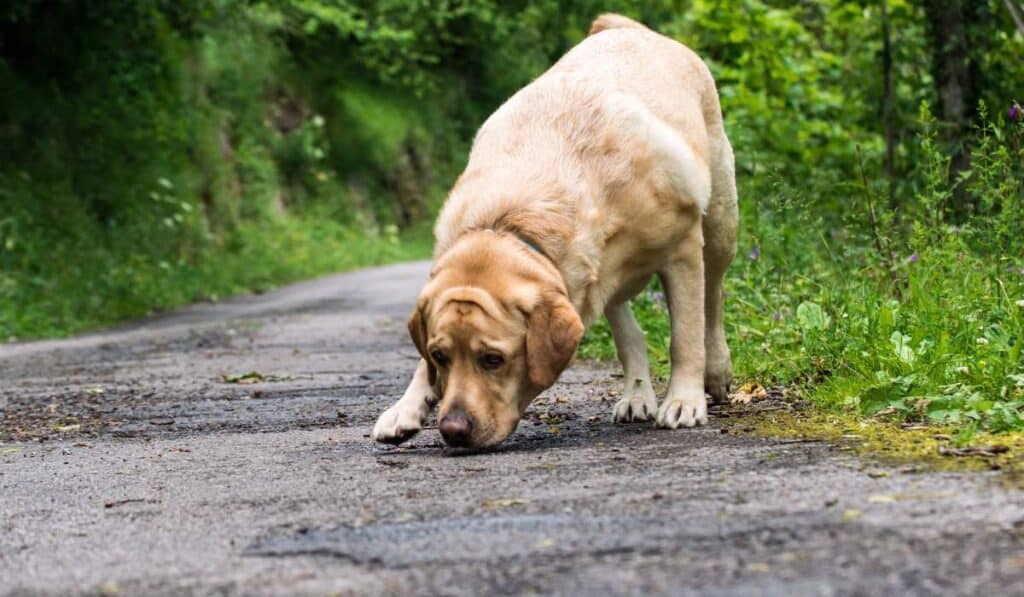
<point>407,416</point>
<point>638,403</point>
<point>719,225</point>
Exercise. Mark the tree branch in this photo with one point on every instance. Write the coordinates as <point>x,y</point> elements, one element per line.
<point>1015,13</point>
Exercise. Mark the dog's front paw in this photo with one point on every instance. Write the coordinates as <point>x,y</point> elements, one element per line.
<point>639,404</point>
<point>685,411</point>
<point>396,425</point>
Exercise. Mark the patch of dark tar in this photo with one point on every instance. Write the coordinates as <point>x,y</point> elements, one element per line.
<point>497,538</point>
<point>666,554</point>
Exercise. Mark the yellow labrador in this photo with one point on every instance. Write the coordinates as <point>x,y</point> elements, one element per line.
<point>611,167</point>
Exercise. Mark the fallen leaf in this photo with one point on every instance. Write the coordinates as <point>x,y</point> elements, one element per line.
<point>243,379</point>
<point>851,514</point>
<point>502,503</point>
<point>115,503</point>
<point>903,497</point>
<point>986,451</point>
<point>748,392</point>
<point>878,474</point>
<point>759,567</point>
<point>881,499</point>
<point>254,377</point>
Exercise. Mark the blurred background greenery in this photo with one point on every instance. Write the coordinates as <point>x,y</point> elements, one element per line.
<point>157,152</point>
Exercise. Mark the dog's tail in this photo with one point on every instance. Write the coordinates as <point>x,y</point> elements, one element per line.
<point>610,20</point>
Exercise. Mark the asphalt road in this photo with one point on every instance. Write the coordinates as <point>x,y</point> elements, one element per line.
<point>128,466</point>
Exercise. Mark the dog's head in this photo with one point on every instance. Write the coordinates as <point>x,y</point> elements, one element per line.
<point>496,329</point>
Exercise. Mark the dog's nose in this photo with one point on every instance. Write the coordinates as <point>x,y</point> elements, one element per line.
<point>456,428</point>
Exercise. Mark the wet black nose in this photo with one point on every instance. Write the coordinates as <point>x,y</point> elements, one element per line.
<point>456,428</point>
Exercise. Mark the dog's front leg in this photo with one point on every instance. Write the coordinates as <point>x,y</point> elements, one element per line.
<point>638,402</point>
<point>684,404</point>
<point>407,416</point>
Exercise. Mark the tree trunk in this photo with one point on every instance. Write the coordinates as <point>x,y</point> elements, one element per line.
<point>888,107</point>
<point>953,27</point>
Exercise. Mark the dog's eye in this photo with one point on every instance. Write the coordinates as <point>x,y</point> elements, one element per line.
<point>439,358</point>
<point>491,361</point>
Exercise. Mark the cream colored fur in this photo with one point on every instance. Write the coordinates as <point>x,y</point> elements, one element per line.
<point>615,164</point>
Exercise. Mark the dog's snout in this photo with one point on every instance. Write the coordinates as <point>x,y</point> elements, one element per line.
<point>456,428</point>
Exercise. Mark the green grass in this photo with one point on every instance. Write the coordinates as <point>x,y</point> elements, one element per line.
<point>101,285</point>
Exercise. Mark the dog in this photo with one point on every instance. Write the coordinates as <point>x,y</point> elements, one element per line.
<point>610,168</point>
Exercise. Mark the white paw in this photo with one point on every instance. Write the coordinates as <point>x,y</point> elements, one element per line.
<point>397,424</point>
<point>639,404</point>
<point>683,412</point>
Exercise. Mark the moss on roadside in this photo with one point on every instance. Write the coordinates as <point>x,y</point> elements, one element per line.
<point>884,440</point>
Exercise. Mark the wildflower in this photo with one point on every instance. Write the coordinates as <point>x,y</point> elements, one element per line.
<point>913,258</point>
<point>777,316</point>
<point>982,341</point>
<point>658,297</point>
<point>754,253</point>
<point>1014,113</point>
<point>1020,303</point>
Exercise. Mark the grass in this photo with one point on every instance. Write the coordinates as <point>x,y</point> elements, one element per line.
<point>101,285</point>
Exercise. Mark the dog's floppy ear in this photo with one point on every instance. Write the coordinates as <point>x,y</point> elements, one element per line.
<point>418,331</point>
<point>554,333</point>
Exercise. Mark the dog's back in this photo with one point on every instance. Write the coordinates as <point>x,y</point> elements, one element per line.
<point>622,95</point>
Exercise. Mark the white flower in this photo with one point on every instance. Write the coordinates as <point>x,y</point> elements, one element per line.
<point>983,341</point>
<point>1020,303</point>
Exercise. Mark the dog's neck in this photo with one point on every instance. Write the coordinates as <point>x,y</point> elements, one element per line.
<point>532,247</point>
<point>532,210</point>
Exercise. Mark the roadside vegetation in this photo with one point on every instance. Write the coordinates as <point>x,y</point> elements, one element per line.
<point>156,153</point>
<point>881,262</point>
